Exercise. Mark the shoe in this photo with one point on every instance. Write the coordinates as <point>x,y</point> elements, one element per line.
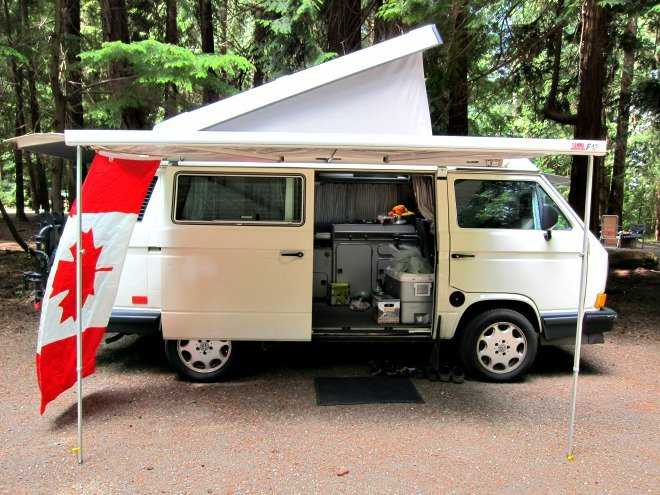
<point>457,375</point>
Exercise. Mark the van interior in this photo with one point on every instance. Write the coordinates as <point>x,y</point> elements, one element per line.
<point>374,255</point>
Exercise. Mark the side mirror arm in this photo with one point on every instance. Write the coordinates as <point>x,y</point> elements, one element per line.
<point>547,235</point>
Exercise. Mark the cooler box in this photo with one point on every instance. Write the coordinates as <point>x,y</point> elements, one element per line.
<point>409,287</point>
<point>415,290</point>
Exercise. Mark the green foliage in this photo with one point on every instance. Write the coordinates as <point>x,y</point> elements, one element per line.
<point>158,64</point>
<point>8,52</point>
<point>509,51</point>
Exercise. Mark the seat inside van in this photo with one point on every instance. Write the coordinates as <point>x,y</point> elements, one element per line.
<point>374,254</point>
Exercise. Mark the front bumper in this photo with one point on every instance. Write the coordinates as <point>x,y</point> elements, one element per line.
<point>560,326</point>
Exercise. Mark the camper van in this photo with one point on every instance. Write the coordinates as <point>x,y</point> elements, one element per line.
<point>487,257</point>
<point>320,207</point>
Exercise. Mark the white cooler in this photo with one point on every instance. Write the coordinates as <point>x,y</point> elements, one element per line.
<point>415,290</point>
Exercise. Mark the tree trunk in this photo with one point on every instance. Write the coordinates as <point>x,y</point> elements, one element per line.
<point>343,21</point>
<point>171,37</point>
<point>593,54</point>
<point>258,41</point>
<point>615,202</point>
<point>205,18</point>
<point>19,117</point>
<point>457,68</point>
<point>115,28</point>
<point>657,210</point>
<point>59,100</point>
<point>40,182</point>
<point>73,86</point>
<point>384,30</point>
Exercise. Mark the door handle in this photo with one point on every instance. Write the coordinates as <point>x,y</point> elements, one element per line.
<point>298,254</point>
<point>458,256</point>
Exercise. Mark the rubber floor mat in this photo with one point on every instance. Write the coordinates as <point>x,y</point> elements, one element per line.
<point>335,391</point>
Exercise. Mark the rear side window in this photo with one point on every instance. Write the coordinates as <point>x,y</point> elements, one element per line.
<point>502,204</point>
<point>251,199</point>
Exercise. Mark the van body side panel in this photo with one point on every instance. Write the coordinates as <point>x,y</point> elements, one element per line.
<point>231,281</point>
<point>137,274</point>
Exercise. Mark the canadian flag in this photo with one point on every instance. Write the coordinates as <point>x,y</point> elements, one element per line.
<point>112,195</point>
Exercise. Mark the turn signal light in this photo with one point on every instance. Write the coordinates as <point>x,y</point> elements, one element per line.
<point>601,298</point>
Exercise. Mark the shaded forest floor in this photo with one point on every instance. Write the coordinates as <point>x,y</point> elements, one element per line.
<point>148,432</point>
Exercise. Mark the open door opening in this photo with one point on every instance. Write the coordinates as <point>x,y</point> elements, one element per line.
<point>374,256</point>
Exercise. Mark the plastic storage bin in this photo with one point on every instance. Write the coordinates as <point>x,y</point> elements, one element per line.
<point>386,309</point>
<point>339,293</point>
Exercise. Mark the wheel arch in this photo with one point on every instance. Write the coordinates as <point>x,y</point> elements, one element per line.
<point>486,302</point>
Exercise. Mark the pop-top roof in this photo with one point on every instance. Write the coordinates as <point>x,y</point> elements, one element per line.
<point>377,89</point>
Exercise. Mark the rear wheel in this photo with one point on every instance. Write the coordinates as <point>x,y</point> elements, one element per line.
<point>499,345</point>
<point>202,360</point>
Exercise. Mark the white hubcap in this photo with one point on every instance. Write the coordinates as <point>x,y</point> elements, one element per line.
<point>501,347</point>
<point>204,356</point>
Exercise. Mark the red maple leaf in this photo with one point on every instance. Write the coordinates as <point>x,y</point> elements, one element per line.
<point>65,275</point>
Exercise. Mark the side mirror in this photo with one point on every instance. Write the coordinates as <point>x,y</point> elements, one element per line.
<point>549,217</point>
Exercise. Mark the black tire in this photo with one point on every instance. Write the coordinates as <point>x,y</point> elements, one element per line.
<point>184,367</point>
<point>471,341</point>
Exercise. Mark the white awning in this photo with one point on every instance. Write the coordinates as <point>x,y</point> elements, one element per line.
<point>274,147</point>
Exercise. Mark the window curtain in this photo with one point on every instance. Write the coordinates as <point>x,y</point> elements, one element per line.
<point>423,189</point>
<point>338,202</point>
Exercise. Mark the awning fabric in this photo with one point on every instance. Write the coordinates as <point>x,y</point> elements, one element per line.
<point>278,147</point>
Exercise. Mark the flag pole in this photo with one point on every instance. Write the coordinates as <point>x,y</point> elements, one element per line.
<point>79,323</point>
<point>583,291</point>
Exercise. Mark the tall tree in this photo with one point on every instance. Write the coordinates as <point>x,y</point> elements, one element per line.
<point>73,84</point>
<point>59,100</point>
<point>171,37</point>
<point>343,22</point>
<point>457,70</point>
<point>38,171</point>
<point>594,48</point>
<point>115,28</point>
<point>205,19</point>
<point>19,115</point>
<point>628,44</point>
<point>588,122</point>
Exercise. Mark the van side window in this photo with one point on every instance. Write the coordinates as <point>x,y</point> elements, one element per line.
<point>228,198</point>
<point>503,204</point>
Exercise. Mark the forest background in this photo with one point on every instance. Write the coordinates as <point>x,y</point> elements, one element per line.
<point>532,68</point>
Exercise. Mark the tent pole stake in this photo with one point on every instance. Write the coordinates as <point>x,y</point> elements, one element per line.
<point>79,324</point>
<point>583,291</point>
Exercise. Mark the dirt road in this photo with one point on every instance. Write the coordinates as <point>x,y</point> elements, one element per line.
<point>147,432</point>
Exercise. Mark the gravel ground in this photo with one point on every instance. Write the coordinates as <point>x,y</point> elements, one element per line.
<point>147,432</point>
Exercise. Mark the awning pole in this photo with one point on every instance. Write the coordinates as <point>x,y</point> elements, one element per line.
<point>79,323</point>
<point>583,291</point>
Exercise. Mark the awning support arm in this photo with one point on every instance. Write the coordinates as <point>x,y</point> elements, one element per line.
<point>583,291</point>
<point>79,322</point>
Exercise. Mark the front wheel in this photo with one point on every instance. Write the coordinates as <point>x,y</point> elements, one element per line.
<point>202,360</point>
<point>499,345</point>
